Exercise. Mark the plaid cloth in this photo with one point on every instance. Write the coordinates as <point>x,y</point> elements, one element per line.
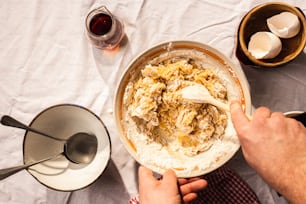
<point>224,187</point>
<point>134,200</point>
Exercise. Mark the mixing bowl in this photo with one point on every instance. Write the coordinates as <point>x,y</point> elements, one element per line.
<point>147,154</point>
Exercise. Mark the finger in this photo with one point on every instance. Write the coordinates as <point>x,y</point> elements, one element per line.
<point>194,179</point>
<point>278,119</point>
<point>145,177</point>
<point>262,112</point>
<point>193,186</point>
<point>277,115</point>
<point>238,116</point>
<point>144,172</point>
<point>183,181</point>
<point>169,177</point>
<point>190,197</point>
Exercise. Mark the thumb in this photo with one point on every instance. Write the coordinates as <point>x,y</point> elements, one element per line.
<point>239,119</point>
<point>145,177</point>
<point>170,178</point>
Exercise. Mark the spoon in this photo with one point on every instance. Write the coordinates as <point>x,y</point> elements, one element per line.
<point>80,148</point>
<point>4,173</point>
<point>199,94</point>
<point>9,121</point>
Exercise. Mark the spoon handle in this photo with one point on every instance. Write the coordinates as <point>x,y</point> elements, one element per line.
<point>9,121</point>
<point>4,173</point>
<point>226,107</point>
<point>221,105</point>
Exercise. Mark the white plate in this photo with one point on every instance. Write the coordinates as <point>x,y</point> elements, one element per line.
<point>63,121</point>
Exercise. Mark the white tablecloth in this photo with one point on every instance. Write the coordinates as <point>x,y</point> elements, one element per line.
<point>46,59</point>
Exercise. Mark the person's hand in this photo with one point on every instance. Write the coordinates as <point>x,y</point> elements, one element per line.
<point>275,146</point>
<point>165,190</point>
<point>188,188</point>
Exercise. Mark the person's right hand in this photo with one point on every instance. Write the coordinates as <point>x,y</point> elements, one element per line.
<point>275,146</point>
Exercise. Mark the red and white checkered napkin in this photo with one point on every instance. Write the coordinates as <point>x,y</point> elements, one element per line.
<point>134,200</point>
<point>224,187</point>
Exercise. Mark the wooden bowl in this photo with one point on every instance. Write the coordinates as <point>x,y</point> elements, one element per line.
<point>255,21</point>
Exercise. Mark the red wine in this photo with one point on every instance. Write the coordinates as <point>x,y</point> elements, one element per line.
<point>101,24</point>
<point>104,30</point>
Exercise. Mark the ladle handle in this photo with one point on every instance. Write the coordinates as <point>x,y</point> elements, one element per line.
<point>4,173</point>
<point>9,121</point>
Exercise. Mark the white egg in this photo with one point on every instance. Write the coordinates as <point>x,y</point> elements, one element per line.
<point>264,45</point>
<point>284,25</point>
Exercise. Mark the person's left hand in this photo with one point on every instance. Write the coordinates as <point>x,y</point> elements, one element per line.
<point>165,190</point>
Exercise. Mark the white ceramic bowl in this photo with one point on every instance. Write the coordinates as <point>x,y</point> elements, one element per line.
<point>236,76</point>
<point>63,121</point>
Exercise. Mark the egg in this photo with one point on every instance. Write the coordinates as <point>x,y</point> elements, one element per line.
<point>264,45</point>
<point>284,25</point>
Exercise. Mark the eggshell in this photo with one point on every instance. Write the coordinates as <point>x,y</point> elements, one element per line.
<point>264,45</point>
<point>284,25</point>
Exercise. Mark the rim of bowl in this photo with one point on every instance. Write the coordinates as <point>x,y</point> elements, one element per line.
<point>89,111</point>
<point>293,113</point>
<point>243,44</point>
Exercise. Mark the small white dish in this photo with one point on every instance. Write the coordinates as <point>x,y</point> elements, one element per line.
<point>63,121</point>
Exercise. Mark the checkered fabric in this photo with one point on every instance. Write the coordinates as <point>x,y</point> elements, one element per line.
<point>134,200</point>
<point>224,187</point>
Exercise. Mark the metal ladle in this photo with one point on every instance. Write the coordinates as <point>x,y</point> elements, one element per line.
<point>79,148</point>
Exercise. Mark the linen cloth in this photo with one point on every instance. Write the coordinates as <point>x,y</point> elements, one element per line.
<point>46,59</point>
